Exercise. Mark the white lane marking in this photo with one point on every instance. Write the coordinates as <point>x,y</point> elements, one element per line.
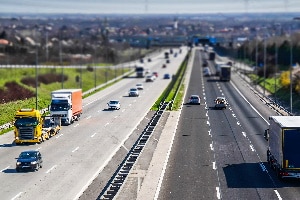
<point>5,168</point>
<point>93,135</point>
<point>209,132</point>
<point>129,104</point>
<point>238,123</point>
<point>106,124</point>
<point>278,195</point>
<point>88,117</point>
<point>244,134</point>
<point>251,147</point>
<point>59,136</point>
<point>116,116</point>
<point>38,148</point>
<point>248,102</point>
<point>263,167</point>
<point>76,125</point>
<point>17,196</point>
<point>75,149</point>
<point>208,123</point>
<point>214,166</point>
<point>233,115</point>
<point>52,168</point>
<point>218,193</point>
<point>123,110</point>
<point>211,147</point>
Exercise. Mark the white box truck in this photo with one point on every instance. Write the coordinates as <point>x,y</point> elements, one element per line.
<point>66,104</point>
<point>283,154</point>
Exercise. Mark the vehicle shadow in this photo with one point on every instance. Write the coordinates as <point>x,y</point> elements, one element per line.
<point>215,108</point>
<point>8,145</point>
<point>106,109</point>
<point>252,175</point>
<point>14,171</point>
<point>13,144</point>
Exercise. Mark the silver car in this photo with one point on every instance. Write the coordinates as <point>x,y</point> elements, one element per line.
<point>194,99</point>
<point>133,92</point>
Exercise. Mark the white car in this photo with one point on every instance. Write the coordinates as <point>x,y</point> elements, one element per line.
<point>133,92</point>
<point>114,104</point>
<point>150,78</point>
<point>139,86</point>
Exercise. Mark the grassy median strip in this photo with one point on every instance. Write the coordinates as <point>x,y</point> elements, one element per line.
<point>175,89</point>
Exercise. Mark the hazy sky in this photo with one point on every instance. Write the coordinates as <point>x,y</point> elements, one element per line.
<point>147,6</point>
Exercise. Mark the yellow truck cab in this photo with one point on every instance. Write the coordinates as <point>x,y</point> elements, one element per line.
<point>28,126</point>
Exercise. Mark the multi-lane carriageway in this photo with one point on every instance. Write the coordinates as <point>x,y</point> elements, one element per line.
<point>212,154</point>
<point>215,154</point>
<point>75,157</point>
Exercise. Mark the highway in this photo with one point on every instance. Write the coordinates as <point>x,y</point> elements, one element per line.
<point>75,157</point>
<point>221,154</point>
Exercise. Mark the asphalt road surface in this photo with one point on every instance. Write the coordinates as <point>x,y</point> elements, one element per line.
<point>81,152</point>
<point>221,154</point>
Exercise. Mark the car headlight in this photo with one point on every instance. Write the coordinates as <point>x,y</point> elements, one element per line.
<point>18,163</point>
<point>33,162</point>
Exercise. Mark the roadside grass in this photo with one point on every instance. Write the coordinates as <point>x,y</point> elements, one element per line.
<point>279,93</point>
<point>89,80</point>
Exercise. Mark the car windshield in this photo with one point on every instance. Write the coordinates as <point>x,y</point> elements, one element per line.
<point>194,97</point>
<point>26,155</point>
<point>113,102</point>
<point>133,89</point>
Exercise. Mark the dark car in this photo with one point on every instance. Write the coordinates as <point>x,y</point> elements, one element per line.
<point>167,76</point>
<point>29,160</point>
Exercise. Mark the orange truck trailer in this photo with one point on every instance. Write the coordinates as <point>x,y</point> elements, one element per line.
<point>66,104</point>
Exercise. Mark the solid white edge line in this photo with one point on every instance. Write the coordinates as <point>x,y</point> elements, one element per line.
<point>248,102</point>
<point>278,195</point>
<point>17,196</point>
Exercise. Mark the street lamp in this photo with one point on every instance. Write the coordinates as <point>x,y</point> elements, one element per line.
<point>291,76</point>
<point>265,64</point>
<point>276,65</point>
<point>36,76</point>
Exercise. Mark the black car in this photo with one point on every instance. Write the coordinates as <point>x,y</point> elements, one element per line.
<point>29,160</point>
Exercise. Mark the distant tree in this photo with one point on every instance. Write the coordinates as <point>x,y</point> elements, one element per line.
<point>285,79</point>
<point>3,35</point>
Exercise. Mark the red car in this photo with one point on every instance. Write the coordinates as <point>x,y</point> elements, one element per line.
<point>155,74</point>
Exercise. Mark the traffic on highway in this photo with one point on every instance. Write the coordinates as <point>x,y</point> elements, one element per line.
<point>212,148</point>
<point>82,149</point>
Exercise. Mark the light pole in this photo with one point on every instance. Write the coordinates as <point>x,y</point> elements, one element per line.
<point>291,76</point>
<point>265,64</point>
<point>36,76</point>
<point>60,62</point>
<point>276,64</point>
<point>256,58</point>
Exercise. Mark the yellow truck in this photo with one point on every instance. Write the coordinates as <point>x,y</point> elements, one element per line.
<point>28,127</point>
